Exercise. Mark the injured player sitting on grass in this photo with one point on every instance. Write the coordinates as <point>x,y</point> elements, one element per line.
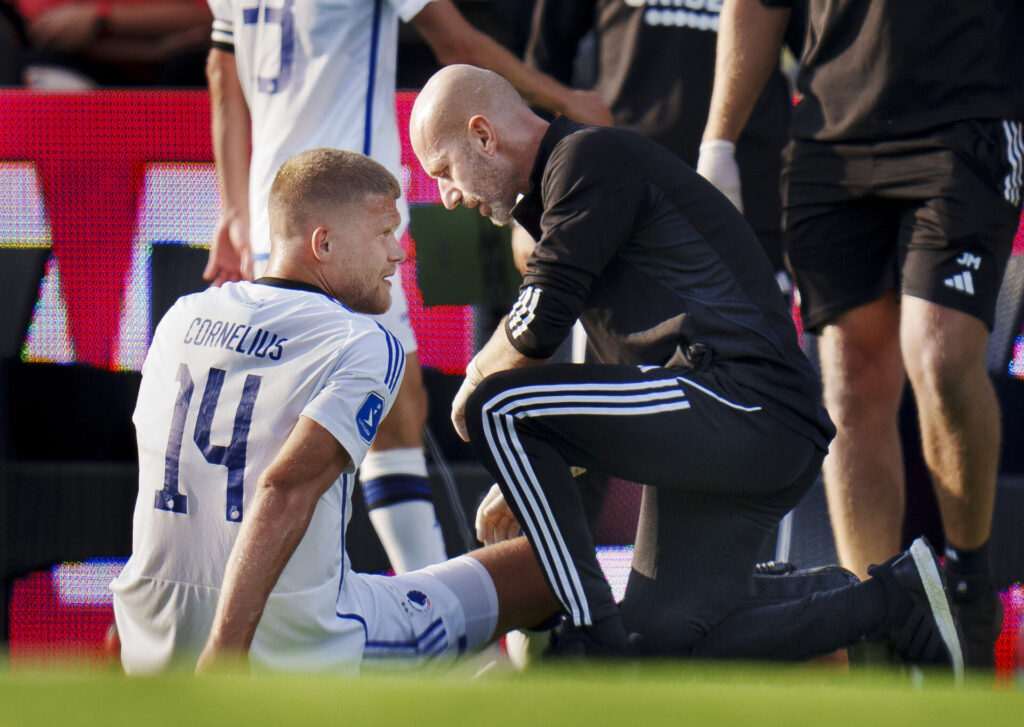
<point>247,463</point>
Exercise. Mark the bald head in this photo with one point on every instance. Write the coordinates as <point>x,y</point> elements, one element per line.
<point>457,93</point>
<point>473,133</point>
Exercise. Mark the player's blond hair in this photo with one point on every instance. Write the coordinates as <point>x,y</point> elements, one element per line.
<point>318,179</point>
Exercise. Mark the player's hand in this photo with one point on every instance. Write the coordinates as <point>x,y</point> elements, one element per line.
<point>717,164</point>
<point>473,377</point>
<point>230,251</point>
<point>494,519</point>
<point>587,107</point>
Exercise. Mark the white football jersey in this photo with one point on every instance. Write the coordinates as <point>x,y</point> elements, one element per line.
<point>313,74</point>
<point>229,372</point>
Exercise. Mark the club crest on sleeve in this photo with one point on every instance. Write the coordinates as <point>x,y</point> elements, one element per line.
<point>418,600</point>
<point>369,415</point>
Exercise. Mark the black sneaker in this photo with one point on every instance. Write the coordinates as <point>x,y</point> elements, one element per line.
<point>981,622</point>
<point>920,625</point>
<point>569,641</point>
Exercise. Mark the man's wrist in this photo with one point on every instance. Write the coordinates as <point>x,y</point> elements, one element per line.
<point>718,145</point>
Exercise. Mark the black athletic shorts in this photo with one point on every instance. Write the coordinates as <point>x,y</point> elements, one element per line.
<point>934,215</point>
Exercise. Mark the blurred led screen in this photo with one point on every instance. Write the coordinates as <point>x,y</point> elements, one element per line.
<point>100,178</point>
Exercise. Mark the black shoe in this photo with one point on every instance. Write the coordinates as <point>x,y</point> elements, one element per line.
<point>569,641</point>
<point>920,625</point>
<point>981,622</point>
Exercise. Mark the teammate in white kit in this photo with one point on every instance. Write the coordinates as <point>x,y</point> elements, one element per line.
<point>258,401</point>
<point>323,74</point>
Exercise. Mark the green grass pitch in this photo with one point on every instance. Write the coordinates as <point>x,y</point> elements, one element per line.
<point>635,695</point>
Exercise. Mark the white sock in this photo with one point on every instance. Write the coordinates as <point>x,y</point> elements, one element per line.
<point>410,534</point>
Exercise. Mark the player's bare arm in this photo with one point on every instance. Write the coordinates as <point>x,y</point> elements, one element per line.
<point>454,40</point>
<point>749,40</point>
<point>230,250</point>
<point>287,493</point>
<point>747,51</point>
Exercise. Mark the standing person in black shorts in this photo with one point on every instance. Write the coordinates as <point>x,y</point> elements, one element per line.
<point>655,67</point>
<point>701,389</point>
<point>901,195</point>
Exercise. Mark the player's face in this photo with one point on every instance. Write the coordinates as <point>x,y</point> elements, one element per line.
<point>467,177</point>
<point>367,254</point>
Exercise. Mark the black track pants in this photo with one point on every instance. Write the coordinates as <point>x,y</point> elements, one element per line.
<point>720,474</point>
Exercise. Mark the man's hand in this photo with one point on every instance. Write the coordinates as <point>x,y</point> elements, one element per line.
<point>717,164</point>
<point>587,107</point>
<point>230,252</point>
<point>494,519</point>
<point>473,377</point>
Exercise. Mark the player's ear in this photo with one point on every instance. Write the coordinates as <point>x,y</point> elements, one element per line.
<point>320,243</point>
<point>481,133</point>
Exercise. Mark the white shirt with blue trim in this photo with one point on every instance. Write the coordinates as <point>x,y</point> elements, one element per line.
<point>229,373</point>
<point>314,74</point>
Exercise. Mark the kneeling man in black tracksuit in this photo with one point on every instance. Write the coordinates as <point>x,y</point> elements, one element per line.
<point>699,390</point>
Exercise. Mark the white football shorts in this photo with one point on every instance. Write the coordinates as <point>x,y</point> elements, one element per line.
<point>434,614</point>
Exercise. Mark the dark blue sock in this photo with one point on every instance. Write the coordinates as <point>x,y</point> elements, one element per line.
<point>389,489</point>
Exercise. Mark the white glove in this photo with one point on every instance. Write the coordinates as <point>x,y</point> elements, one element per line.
<point>494,519</point>
<point>717,164</point>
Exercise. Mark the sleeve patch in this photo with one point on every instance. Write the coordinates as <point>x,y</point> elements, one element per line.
<point>368,417</point>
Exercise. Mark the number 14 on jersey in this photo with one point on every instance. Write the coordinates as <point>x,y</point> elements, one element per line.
<point>231,456</point>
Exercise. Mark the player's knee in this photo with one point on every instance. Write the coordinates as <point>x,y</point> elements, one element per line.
<point>854,381</point>
<point>943,372</point>
<point>943,348</point>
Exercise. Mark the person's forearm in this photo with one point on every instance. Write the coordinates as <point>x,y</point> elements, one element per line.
<point>496,355</point>
<point>535,87</point>
<point>231,132</point>
<point>154,20</point>
<point>749,40</point>
<point>454,40</point>
<point>123,50</point>
<point>499,355</point>
<point>273,526</point>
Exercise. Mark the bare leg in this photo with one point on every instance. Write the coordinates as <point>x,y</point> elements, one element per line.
<point>960,431</point>
<point>524,599</point>
<point>863,379</point>
<point>959,415</point>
